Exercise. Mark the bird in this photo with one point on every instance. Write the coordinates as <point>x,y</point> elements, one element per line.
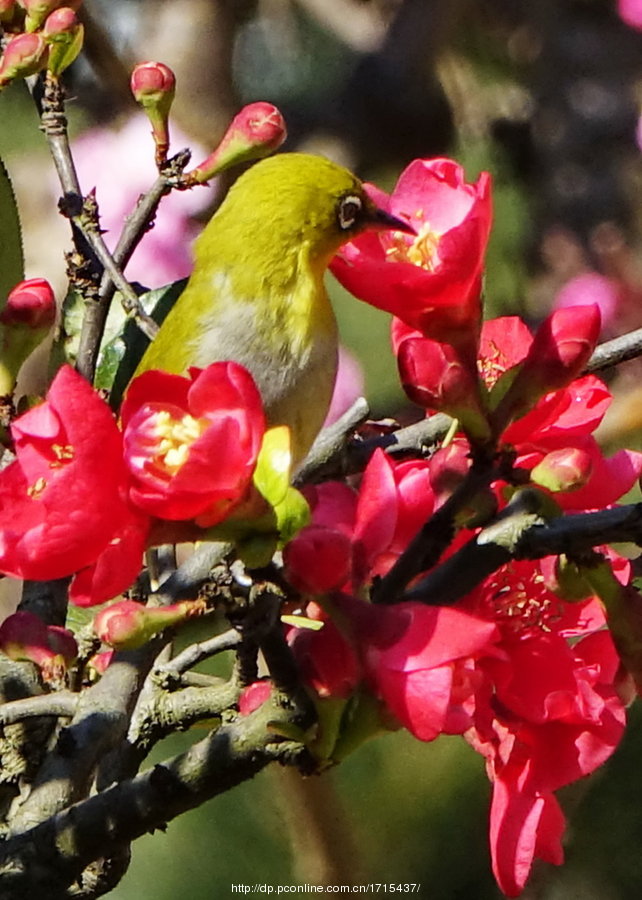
<point>256,295</point>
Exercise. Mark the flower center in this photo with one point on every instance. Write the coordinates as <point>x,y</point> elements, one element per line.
<point>518,599</point>
<point>175,437</point>
<point>422,252</point>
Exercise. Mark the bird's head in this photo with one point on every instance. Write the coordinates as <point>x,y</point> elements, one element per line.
<point>295,198</point>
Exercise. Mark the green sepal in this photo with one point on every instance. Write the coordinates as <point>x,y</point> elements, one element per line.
<point>63,50</point>
<point>12,264</point>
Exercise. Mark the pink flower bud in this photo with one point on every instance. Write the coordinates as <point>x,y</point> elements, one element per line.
<point>563,470</point>
<point>25,637</point>
<point>23,55</point>
<point>65,34</point>
<point>153,85</point>
<point>61,21</point>
<point>255,132</point>
<point>31,303</point>
<point>37,11</point>
<point>126,625</point>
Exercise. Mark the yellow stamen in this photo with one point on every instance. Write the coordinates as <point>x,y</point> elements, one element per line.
<point>35,490</point>
<point>422,252</point>
<point>176,436</point>
<point>64,453</point>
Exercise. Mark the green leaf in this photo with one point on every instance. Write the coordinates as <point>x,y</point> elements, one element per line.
<point>124,343</point>
<point>12,265</point>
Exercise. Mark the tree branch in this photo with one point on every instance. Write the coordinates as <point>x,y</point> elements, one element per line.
<point>45,860</point>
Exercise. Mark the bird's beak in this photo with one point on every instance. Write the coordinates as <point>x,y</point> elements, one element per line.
<point>382,220</point>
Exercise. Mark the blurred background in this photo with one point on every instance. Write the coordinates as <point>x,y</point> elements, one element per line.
<point>547,97</point>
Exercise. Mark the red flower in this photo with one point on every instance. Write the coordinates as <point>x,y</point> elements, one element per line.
<point>362,534</point>
<point>191,444</point>
<point>327,660</point>
<point>546,712</point>
<point>432,281</point>
<point>419,660</point>
<point>63,501</point>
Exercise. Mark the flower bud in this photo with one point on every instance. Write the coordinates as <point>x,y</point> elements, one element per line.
<point>64,34</point>
<point>126,624</point>
<point>25,637</point>
<point>318,560</point>
<point>253,696</point>
<point>23,55</point>
<point>561,348</point>
<point>37,11</point>
<point>563,470</point>
<point>28,314</point>
<point>255,132</point>
<point>435,376</point>
<point>153,85</point>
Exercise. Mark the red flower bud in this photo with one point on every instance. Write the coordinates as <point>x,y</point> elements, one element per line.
<point>25,637</point>
<point>253,696</point>
<point>23,55</point>
<point>437,376</point>
<point>30,303</point>
<point>153,85</point>
<point>28,314</point>
<point>255,132</point>
<point>318,560</point>
<point>563,470</point>
<point>560,349</point>
<point>126,625</point>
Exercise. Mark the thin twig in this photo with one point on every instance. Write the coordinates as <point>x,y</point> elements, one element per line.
<point>612,353</point>
<point>197,653</point>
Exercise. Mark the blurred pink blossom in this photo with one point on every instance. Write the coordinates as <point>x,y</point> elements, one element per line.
<point>587,288</point>
<point>120,165</point>
<point>630,11</point>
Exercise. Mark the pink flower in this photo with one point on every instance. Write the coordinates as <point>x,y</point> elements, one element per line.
<point>630,11</point>
<point>191,444</point>
<point>164,253</point>
<point>63,501</point>
<point>433,281</point>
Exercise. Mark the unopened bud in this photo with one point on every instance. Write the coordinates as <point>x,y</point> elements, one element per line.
<point>37,11</point>
<point>126,624</point>
<point>436,376</point>
<point>318,560</point>
<point>25,637</point>
<point>64,34</point>
<point>561,348</point>
<point>566,469</point>
<point>255,132</point>
<point>253,696</point>
<point>23,55</point>
<point>153,85</point>
<point>27,316</point>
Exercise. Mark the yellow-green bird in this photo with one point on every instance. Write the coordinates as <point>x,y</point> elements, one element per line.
<point>256,294</point>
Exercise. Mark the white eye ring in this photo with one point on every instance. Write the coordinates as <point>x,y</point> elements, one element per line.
<point>349,211</point>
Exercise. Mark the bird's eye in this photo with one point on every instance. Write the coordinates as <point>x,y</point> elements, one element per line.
<point>349,211</point>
